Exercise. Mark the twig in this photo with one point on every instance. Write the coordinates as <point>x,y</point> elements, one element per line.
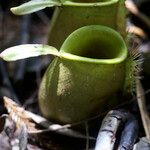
<point>142,107</point>
<point>87,135</point>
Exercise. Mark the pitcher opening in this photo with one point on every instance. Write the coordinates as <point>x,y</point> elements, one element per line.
<point>95,41</point>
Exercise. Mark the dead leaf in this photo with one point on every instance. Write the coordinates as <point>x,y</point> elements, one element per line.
<point>18,114</point>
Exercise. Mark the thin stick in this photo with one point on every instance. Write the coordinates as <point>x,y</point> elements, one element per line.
<point>87,135</point>
<point>142,107</point>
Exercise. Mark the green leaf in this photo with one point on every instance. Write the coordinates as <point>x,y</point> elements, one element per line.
<point>28,50</point>
<point>33,6</point>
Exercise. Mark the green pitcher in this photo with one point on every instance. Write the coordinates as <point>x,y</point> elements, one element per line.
<point>70,15</point>
<point>82,81</point>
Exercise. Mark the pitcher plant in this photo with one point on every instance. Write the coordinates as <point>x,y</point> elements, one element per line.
<point>88,71</point>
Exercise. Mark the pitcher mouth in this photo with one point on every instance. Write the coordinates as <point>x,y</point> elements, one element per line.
<point>95,43</point>
<point>94,3</point>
